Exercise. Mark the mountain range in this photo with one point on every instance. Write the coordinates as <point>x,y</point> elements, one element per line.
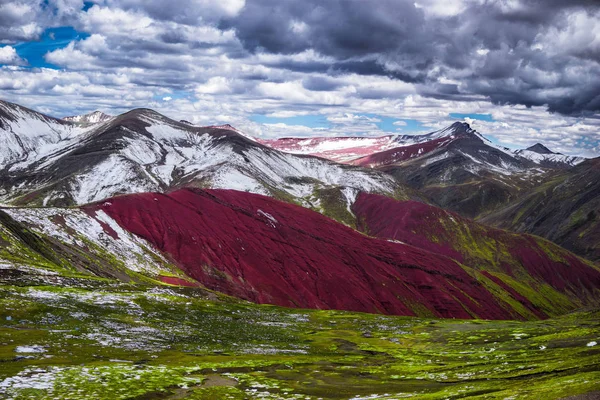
<point>51,162</point>
<point>381,225</point>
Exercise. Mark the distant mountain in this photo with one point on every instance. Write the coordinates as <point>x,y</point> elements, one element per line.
<point>384,150</point>
<point>357,150</point>
<point>46,161</point>
<point>459,170</point>
<point>340,149</point>
<point>91,118</point>
<point>564,208</point>
<point>456,167</point>
<point>544,157</point>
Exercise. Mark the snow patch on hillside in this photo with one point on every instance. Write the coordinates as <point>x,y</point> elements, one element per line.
<point>28,137</point>
<point>549,158</point>
<point>91,118</point>
<point>116,175</point>
<point>76,227</point>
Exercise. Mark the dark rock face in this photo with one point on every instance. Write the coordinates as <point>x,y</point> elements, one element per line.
<point>465,174</point>
<point>266,251</point>
<point>540,149</point>
<point>565,208</point>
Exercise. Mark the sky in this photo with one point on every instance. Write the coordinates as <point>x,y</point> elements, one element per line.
<point>519,71</point>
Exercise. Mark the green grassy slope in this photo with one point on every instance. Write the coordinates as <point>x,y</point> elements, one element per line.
<point>564,209</point>
<point>108,340</point>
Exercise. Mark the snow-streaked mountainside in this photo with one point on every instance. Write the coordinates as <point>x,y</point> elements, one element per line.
<point>457,148</point>
<point>390,149</point>
<point>459,170</point>
<point>46,161</point>
<point>541,155</point>
<point>27,136</point>
<point>91,118</point>
<point>350,149</point>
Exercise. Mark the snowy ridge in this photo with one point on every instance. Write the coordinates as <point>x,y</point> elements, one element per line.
<point>91,118</point>
<point>549,159</point>
<point>143,151</point>
<point>26,136</point>
<point>76,227</point>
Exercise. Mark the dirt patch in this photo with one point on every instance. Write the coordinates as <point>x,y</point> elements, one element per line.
<point>218,380</point>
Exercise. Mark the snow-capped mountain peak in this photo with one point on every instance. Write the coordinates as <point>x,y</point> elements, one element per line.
<point>544,157</point>
<point>27,137</point>
<point>91,118</point>
<point>540,149</point>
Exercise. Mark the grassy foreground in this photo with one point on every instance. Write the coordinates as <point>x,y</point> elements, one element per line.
<point>93,339</point>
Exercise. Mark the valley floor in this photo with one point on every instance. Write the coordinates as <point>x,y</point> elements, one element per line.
<point>85,338</point>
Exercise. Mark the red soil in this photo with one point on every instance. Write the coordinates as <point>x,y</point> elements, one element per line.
<point>437,230</point>
<point>266,251</point>
<point>398,154</point>
<point>344,154</point>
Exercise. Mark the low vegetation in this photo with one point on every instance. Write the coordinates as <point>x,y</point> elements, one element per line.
<point>106,340</point>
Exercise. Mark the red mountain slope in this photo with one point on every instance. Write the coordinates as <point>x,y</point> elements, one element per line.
<point>267,251</point>
<point>340,149</point>
<point>544,273</point>
<point>398,154</point>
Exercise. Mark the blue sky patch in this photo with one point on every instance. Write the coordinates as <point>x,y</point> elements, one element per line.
<point>386,124</point>
<point>52,39</point>
<point>481,117</point>
<point>318,121</point>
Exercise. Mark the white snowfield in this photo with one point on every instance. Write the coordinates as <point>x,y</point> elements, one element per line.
<point>162,156</point>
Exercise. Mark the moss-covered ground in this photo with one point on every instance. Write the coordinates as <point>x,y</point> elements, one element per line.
<point>97,339</point>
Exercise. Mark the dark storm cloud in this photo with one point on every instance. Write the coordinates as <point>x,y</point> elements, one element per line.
<point>342,29</point>
<point>320,83</point>
<point>336,27</point>
<point>401,40</point>
<point>527,52</point>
